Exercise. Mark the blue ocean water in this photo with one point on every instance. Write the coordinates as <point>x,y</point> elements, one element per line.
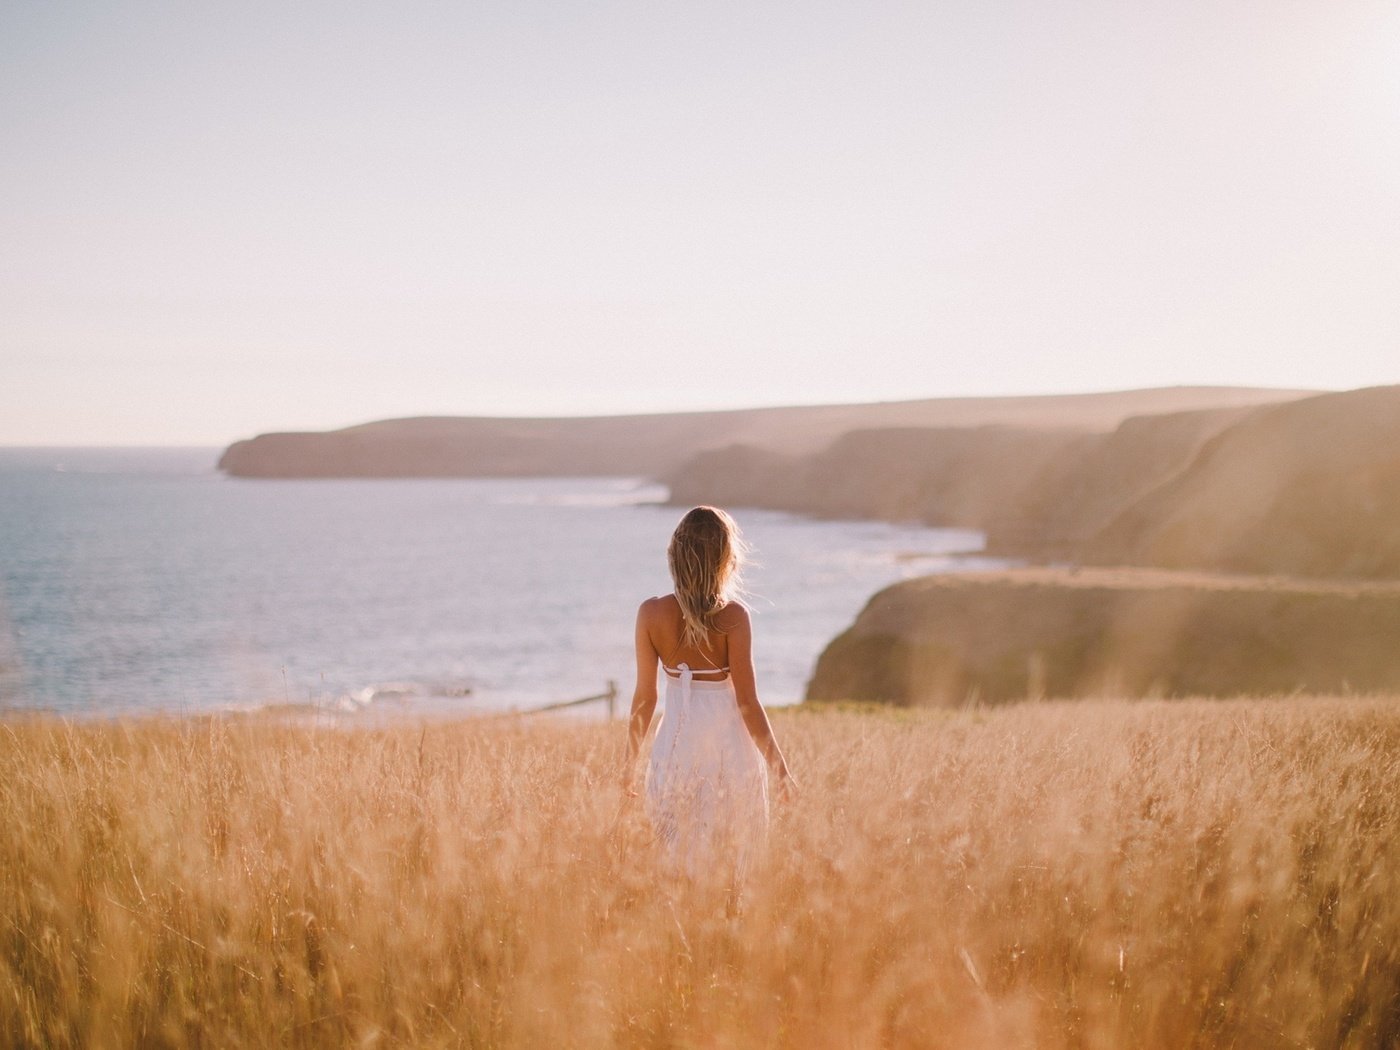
<point>141,580</point>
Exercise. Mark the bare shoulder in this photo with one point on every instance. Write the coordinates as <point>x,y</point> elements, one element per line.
<point>654,608</point>
<point>733,617</point>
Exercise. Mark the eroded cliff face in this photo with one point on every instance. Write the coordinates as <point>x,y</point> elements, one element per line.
<point>997,637</point>
<point>1040,494</point>
<point>957,476</point>
<point>1058,515</point>
<point>1309,488</point>
<point>652,445</point>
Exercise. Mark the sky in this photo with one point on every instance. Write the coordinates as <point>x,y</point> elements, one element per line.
<point>223,219</point>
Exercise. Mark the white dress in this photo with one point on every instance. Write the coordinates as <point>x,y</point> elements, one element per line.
<point>707,786</point>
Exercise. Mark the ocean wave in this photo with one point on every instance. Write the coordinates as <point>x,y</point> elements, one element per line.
<point>627,493</point>
<point>400,697</point>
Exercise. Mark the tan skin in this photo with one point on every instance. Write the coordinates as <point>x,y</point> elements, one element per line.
<point>659,626</point>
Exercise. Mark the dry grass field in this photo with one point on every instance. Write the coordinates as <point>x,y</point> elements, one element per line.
<point>1090,875</point>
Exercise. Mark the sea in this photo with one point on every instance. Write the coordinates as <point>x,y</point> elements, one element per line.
<point>144,581</point>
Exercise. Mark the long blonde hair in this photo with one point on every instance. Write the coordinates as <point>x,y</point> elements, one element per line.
<point>706,554</point>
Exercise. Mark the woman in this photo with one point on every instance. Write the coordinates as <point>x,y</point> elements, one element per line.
<point>706,788</point>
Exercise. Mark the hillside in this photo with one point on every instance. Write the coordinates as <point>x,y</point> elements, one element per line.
<point>1036,493</point>
<point>1086,486</point>
<point>949,476</point>
<point>1309,488</point>
<point>653,445</point>
<point>1096,632</point>
<point>1305,487</point>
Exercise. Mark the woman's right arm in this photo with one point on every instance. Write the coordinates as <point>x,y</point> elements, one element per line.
<point>643,696</point>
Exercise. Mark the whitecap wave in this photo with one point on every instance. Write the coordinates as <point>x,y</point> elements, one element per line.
<point>629,492</point>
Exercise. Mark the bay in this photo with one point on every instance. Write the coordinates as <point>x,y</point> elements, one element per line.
<point>142,580</point>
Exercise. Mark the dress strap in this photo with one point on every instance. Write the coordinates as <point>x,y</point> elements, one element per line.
<point>682,667</point>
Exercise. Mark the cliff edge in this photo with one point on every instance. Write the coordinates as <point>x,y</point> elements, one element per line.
<point>996,637</point>
<point>653,445</point>
<point>1308,488</point>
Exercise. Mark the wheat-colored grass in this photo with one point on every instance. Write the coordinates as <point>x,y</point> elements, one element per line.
<point>1099,874</point>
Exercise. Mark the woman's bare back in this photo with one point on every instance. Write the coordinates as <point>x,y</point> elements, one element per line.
<point>665,626</point>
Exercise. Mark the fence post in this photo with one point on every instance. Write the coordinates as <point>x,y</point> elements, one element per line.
<point>612,698</point>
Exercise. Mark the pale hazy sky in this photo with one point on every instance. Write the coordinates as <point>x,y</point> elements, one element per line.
<point>221,219</point>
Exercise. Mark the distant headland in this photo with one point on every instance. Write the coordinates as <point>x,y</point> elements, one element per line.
<point>1279,493</point>
<point>662,444</point>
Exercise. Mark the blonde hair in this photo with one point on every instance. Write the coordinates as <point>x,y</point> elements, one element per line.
<point>706,554</point>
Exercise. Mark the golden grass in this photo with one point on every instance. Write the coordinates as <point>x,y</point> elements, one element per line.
<point>1099,874</point>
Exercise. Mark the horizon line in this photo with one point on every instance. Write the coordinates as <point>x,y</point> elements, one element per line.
<point>698,412</point>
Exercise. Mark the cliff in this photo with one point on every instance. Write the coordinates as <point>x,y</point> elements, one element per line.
<point>1308,488</point>
<point>653,445</point>
<point>942,476</point>
<point>1060,512</point>
<point>1123,633</point>
<point>1038,494</point>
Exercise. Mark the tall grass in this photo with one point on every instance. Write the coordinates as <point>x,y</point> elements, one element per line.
<point>1097,874</point>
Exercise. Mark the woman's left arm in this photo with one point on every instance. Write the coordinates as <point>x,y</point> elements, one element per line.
<point>740,637</point>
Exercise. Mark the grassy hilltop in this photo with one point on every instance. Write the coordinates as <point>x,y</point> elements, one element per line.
<point>1000,636</point>
<point>1106,874</point>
